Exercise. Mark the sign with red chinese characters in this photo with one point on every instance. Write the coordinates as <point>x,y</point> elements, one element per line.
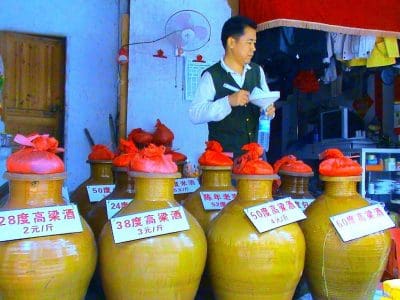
<point>186,185</point>
<point>273,214</point>
<point>99,192</point>
<point>148,224</point>
<point>115,205</point>
<point>361,222</point>
<point>303,203</point>
<point>215,200</point>
<point>39,221</point>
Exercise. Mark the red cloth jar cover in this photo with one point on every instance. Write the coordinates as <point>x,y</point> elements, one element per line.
<point>37,155</point>
<point>291,164</point>
<point>101,152</point>
<point>152,159</point>
<point>214,156</point>
<point>251,163</point>
<point>127,151</point>
<point>334,163</point>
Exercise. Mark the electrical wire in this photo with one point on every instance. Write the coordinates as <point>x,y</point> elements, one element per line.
<point>153,41</point>
<point>173,32</point>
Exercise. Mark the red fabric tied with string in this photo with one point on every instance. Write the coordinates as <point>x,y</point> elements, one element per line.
<point>152,159</point>
<point>140,137</point>
<point>127,150</point>
<point>334,163</point>
<point>251,163</point>
<point>214,156</point>
<point>290,163</point>
<point>101,152</point>
<point>176,156</point>
<point>162,135</point>
<point>37,155</point>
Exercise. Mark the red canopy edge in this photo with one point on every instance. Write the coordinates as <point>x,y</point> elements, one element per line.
<point>367,17</point>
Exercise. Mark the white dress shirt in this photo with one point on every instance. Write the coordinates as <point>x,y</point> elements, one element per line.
<point>204,109</point>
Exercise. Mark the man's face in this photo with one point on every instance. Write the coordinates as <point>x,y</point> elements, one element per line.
<point>243,48</point>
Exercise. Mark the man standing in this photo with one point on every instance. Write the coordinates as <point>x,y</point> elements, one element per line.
<point>232,119</point>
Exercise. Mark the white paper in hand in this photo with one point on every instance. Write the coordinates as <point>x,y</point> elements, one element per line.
<point>263,98</point>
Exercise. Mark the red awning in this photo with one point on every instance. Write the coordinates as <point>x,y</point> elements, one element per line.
<point>373,17</point>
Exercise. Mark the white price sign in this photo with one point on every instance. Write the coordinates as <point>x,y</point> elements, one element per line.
<point>99,192</point>
<point>39,221</point>
<point>215,200</point>
<point>303,203</point>
<point>186,185</point>
<point>274,214</point>
<point>361,222</point>
<point>148,224</point>
<point>115,205</point>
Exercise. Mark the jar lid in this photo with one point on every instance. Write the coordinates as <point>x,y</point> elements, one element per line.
<point>34,177</point>
<point>154,175</point>
<point>216,168</point>
<point>100,161</point>
<point>120,169</point>
<point>255,177</point>
<point>339,178</point>
<point>297,174</point>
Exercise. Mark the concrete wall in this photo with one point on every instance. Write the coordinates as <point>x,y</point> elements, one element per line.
<point>92,38</point>
<point>156,85</point>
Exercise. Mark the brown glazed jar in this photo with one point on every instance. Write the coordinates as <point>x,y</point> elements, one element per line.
<point>167,266</point>
<point>124,189</point>
<point>295,185</point>
<point>100,174</point>
<point>180,197</point>
<point>214,178</point>
<point>244,264</point>
<point>336,269</point>
<point>47,267</point>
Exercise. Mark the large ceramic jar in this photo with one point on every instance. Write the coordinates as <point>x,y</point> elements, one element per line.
<point>124,190</point>
<point>213,179</point>
<point>161,267</point>
<point>295,185</point>
<point>244,264</point>
<point>48,267</point>
<point>100,174</point>
<point>180,197</point>
<point>336,269</point>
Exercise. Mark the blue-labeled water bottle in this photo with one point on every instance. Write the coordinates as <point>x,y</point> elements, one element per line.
<point>264,128</point>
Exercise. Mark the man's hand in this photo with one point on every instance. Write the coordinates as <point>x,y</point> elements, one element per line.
<point>240,98</point>
<point>270,111</point>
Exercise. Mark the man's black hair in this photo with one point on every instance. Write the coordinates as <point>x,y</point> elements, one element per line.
<point>234,27</point>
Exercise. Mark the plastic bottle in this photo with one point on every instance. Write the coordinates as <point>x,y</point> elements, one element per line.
<point>264,128</point>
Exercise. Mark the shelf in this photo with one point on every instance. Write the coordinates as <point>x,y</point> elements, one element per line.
<point>376,171</point>
<point>380,174</point>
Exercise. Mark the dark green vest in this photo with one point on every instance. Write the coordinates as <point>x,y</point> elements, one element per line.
<point>240,126</point>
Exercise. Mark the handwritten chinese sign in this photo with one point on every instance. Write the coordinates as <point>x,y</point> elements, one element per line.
<point>99,192</point>
<point>361,222</point>
<point>186,185</point>
<point>148,224</point>
<point>115,205</point>
<point>303,203</point>
<point>40,221</point>
<point>215,200</point>
<point>273,214</point>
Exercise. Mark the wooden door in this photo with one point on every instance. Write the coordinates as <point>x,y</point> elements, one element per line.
<point>33,95</point>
